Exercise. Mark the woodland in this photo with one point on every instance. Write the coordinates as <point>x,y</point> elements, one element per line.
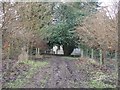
<point>29,31</point>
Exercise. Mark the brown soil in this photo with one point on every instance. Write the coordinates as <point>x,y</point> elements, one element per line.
<point>61,73</point>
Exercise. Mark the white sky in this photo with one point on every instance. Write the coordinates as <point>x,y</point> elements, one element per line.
<point>111,6</point>
<point>106,2</point>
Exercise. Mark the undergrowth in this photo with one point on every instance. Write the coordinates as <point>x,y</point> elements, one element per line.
<point>24,77</point>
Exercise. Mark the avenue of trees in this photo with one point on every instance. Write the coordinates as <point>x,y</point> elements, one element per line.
<point>44,25</point>
<point>31,29</point>
<point>66,18</point>
<point>25,24</point>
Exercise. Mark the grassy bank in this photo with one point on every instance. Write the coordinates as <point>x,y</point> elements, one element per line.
<point>24,77</point>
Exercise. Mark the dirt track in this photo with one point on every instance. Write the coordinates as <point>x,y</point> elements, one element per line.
<point>61,73</point>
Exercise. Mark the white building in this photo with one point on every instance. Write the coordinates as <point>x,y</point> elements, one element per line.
<point>57,50</point>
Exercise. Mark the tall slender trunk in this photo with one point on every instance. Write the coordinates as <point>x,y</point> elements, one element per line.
<point>118,56</point>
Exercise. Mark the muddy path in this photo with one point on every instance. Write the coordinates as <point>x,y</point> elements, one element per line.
<point>61,73</point>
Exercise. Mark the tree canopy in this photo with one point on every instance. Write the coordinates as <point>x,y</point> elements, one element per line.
<point>66,17</point>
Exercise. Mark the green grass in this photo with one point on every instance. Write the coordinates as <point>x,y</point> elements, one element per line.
<point>99,84</point>
<point>43,81</point>
<point>96,82</point>
<point>70,58</point>
<point>23,79</point>
<point>34,63</point>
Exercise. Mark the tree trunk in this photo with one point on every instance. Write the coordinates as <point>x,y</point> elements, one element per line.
<point>118,54</point>
<point>67,50</point>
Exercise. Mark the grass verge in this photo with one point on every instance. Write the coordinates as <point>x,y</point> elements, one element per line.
<point>26,76</point>
<point>70,58</point>
<point>99,84</point>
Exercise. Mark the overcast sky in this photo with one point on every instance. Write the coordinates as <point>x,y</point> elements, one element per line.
<point>108,2</point>
<point>111,6</point>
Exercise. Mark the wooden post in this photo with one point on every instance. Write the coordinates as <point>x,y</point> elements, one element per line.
<point>38,51</point>
<point>110,55</point>
<point>81,52</point>
<point>8,50</point>
<point>103,56</point>
<point>92,53</point>
<point>87,52</point>
<point>100,57</point>
<point>116,56</point>
<point>31,48</point>
<point>27,47</point>
<point>27,50</point>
